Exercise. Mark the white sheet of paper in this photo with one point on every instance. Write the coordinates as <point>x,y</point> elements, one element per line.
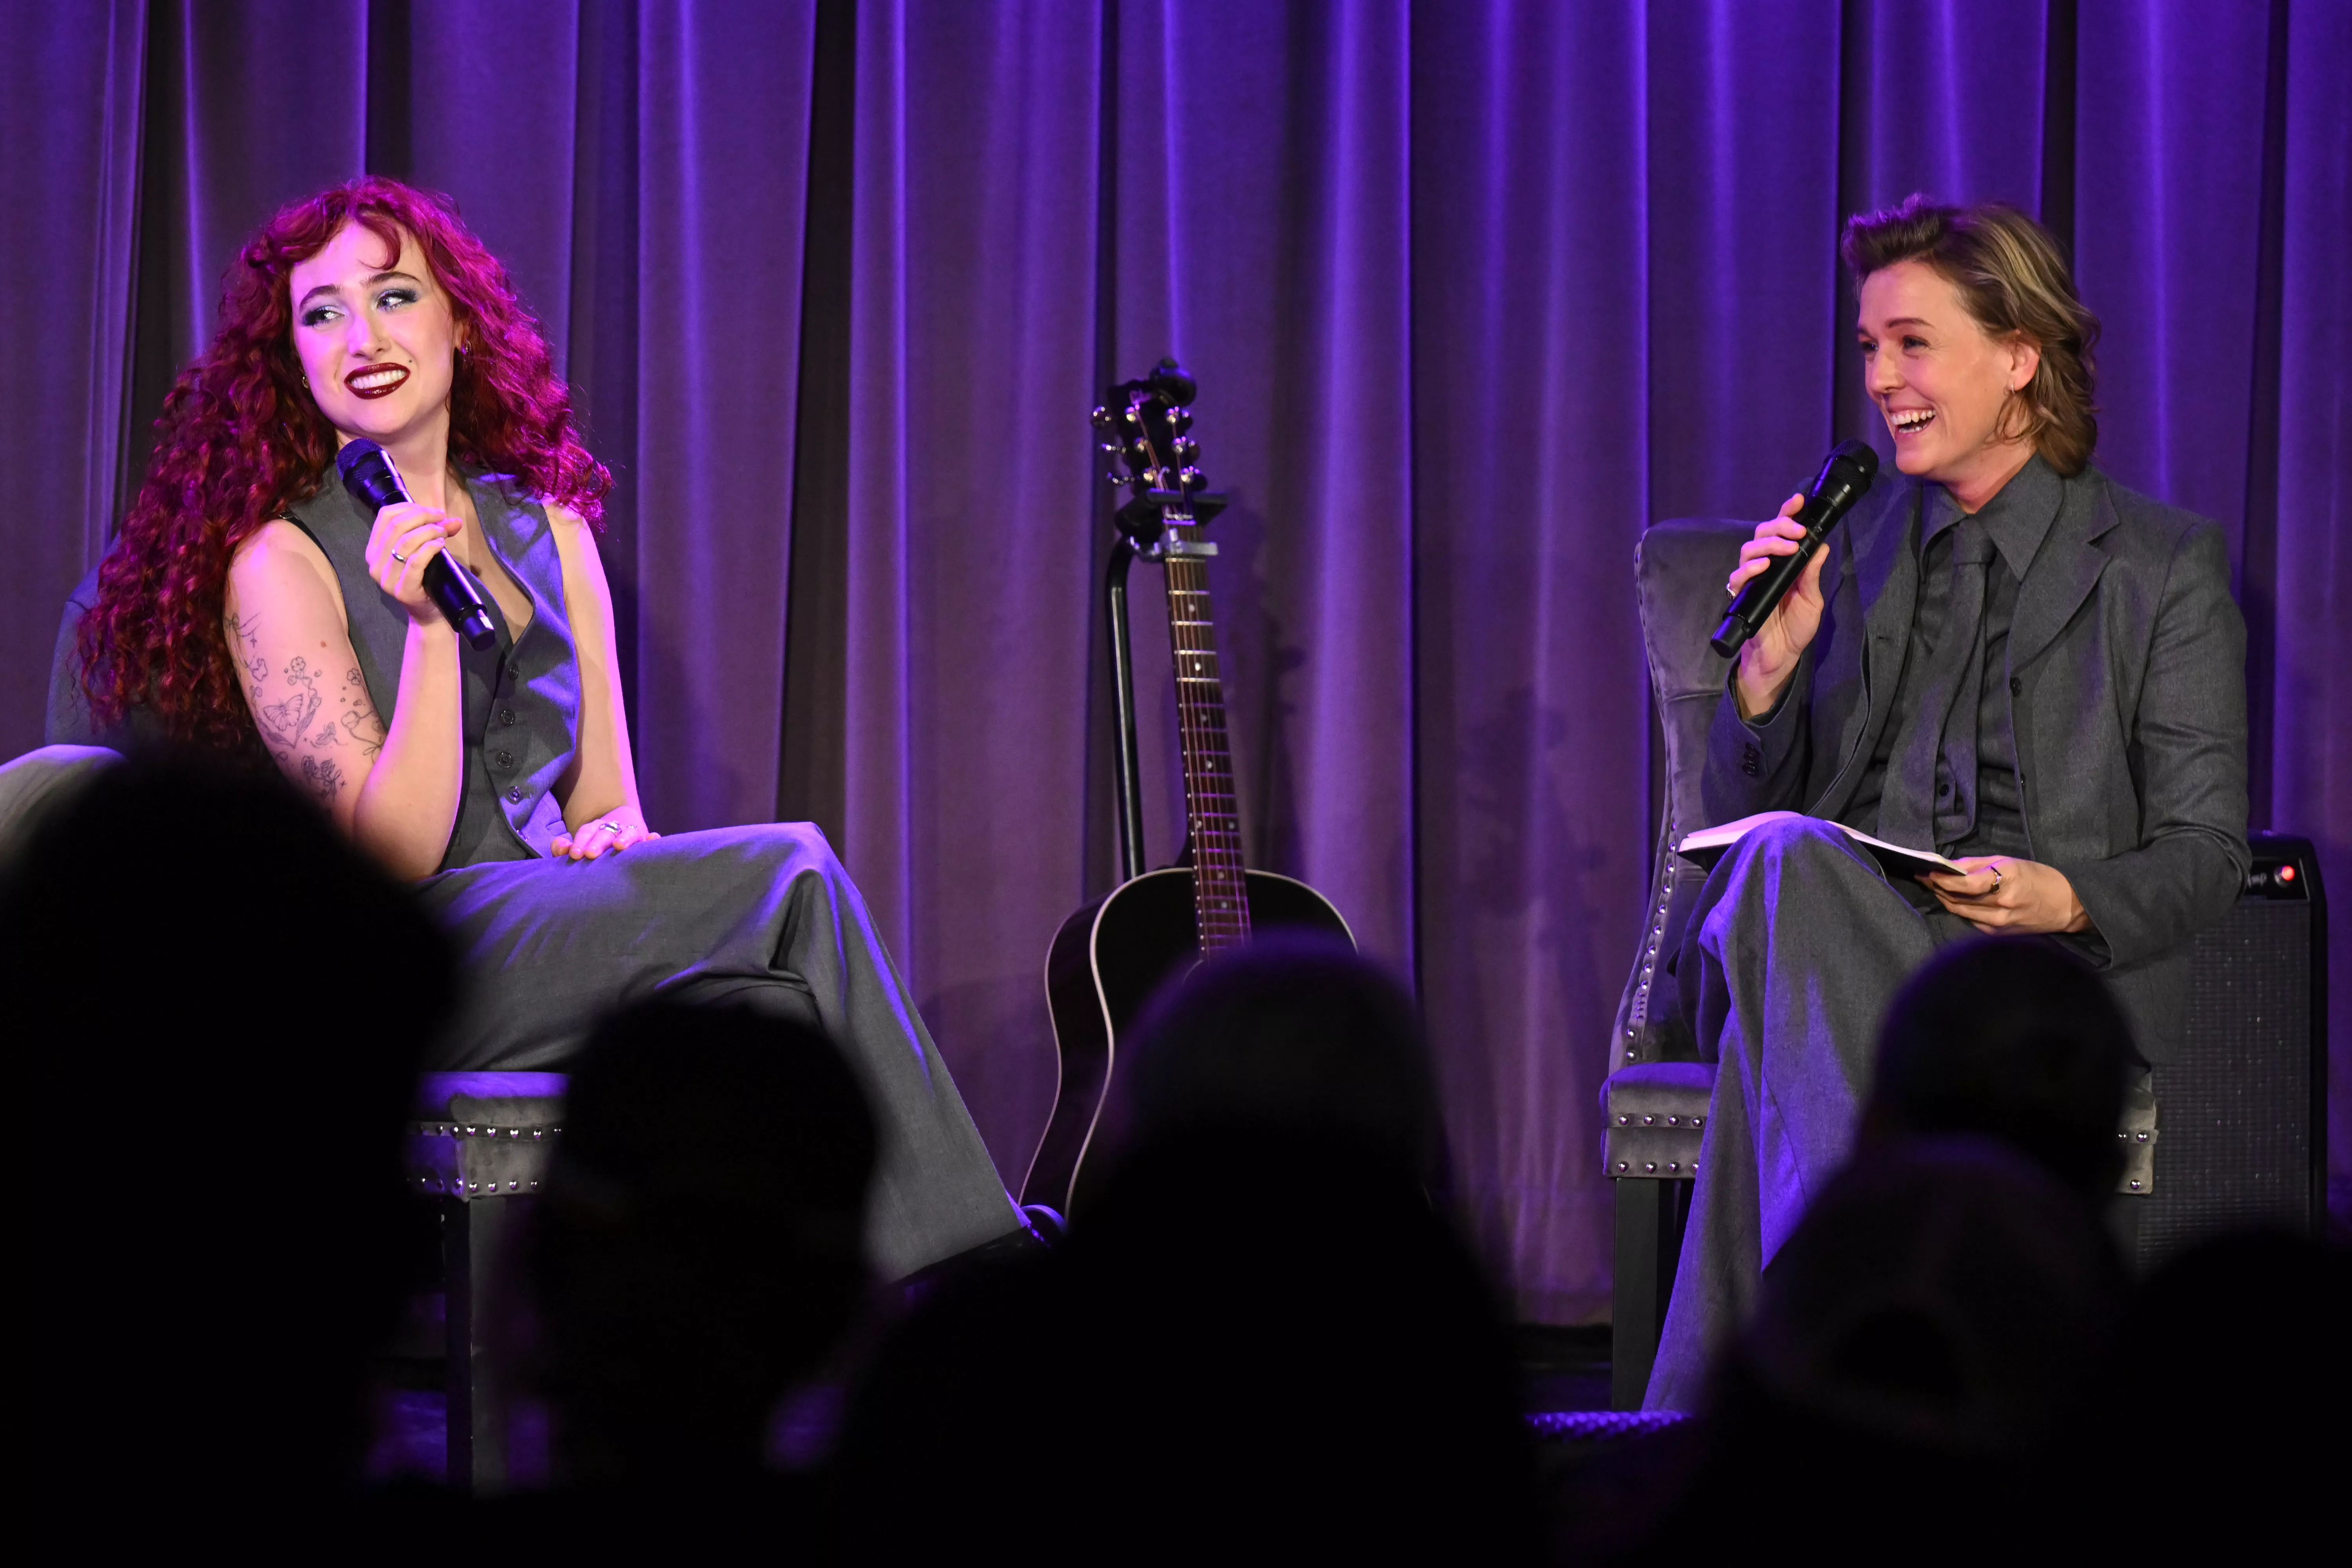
<point>1707,845</point>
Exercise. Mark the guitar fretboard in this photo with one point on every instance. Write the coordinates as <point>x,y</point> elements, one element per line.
<point>1220,890</point>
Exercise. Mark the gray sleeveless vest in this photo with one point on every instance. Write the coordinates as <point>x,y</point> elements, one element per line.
<point>523,696</point>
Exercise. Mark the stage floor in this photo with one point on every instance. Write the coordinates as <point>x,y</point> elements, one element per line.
<point>1562,1371</point>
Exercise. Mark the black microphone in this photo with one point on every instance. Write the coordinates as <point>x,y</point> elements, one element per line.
<point>1844,479</point>
<point>367,474</point>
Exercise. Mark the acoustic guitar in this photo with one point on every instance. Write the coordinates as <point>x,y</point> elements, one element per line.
<point>1111,956</point>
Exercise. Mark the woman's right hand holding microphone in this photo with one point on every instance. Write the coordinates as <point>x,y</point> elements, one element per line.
<point>1768,661</point>
<point>406,536</point>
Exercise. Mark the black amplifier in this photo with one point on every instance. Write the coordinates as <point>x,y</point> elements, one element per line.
<point>2242,1114</point>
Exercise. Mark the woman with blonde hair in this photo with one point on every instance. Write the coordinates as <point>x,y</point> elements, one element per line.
<point>2003,656</point>
<point>253,607</point>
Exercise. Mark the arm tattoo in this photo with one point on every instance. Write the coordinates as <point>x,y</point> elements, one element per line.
<point>360,720</point>
<point>287,713</point>
<point>283,723</point>
<point>245,634</point>
<point>322,778</point>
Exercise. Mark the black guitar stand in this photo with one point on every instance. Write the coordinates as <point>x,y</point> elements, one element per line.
<point>1122,702</point>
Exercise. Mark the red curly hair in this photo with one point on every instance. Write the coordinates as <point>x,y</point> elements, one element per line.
<point>240,440</point>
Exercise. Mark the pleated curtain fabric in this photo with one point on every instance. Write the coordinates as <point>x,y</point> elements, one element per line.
<point>1475,291</point>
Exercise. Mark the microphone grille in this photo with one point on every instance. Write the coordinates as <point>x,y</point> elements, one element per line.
<point>354,454</point>
<point>1859,455</point>
<point>367,475</point>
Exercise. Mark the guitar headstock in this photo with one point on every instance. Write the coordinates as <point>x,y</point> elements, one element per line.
<point>1145,427</point>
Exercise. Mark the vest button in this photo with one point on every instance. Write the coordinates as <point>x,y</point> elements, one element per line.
<point>2016,687</point>
<point>506,759</point>
<point>514,793</point>
<point>506,716</point>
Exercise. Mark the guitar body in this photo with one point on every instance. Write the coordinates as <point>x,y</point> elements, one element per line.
<point>1105,961</point>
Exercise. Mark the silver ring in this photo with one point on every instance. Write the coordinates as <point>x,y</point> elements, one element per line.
<point>1995,869</point>
<point>396,556</point>
<point>614,826</point>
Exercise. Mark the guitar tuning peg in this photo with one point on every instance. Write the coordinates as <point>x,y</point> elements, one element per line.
<point>1132,416</point>
<point>1189,479</point>
<point>1186,450</point>
<point>1109,447</point>
<point>1101,418</point>
<point>1180,419</point>
<point>1115,476</point>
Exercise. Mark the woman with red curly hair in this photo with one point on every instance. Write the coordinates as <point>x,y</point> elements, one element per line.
<point>253,605</point>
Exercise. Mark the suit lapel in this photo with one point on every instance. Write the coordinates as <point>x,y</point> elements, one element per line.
<point>1887,566</point>
<point>2065,570</point>
<point>1884,570</point>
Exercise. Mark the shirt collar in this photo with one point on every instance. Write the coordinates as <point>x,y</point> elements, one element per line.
<point>2017,519</point>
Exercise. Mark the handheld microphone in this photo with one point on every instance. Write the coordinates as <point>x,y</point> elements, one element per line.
<point>367,474</point>
<point>1844,479</point>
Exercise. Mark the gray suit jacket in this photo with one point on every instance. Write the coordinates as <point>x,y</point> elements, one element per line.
<point>2127,694</point>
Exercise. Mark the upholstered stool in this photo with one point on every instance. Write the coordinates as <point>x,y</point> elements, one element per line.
<point>479,1146</point>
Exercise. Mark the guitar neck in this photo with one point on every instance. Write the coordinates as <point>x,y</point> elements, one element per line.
<point>1220,889</point>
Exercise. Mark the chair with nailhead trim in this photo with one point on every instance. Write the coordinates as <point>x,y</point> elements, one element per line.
<point>479,1146</point>
<point>1655,1100</point>
<point>1654,1103</point>
<point>479,1143</point>
<point>2247,1093</point>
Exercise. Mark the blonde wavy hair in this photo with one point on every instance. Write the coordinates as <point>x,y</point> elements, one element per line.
<point>2012,278</point>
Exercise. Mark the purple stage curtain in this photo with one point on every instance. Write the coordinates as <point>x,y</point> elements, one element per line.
<point>1476,292</point>
<point>1535,403</point>
<point>70,112</point>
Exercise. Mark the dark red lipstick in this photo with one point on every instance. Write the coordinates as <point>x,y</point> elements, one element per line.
<point>384,380</point>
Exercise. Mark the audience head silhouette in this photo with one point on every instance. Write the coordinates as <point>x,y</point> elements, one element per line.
<point>698,1244</point>
<point>1260,1329</point>
<point>2012,1038</point>
<point>1915,1352</point>
<point>2226,1352</point>
<point>1944,1292</point>
<point>1291,1037</point>
<point>220,1008</point>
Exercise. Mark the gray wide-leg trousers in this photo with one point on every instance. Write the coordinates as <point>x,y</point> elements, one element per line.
<point>760,917</point>
<point>1793,951</point>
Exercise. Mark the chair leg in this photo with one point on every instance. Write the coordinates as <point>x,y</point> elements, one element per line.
<point>478,1449</point>
<point>1650,1219</point>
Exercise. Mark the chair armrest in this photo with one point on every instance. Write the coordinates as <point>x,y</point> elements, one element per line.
<point>1653,1119</point>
